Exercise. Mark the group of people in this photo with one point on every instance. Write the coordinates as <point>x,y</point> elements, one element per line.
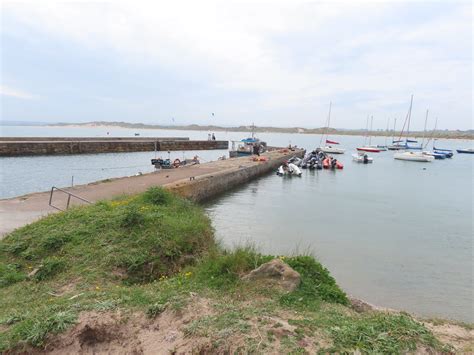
<point>211,137</point>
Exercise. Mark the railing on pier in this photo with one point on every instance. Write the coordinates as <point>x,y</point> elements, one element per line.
<point>70,194</point>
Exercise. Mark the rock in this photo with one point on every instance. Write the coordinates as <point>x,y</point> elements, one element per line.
<point>278,272</point>
<point>360,306</point>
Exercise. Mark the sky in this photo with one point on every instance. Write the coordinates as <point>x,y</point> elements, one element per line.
<point>272,63</point>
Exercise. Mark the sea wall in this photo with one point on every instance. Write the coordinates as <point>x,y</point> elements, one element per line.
<point>65,147</point>
<point>208,186</point>
<point>82,139</point>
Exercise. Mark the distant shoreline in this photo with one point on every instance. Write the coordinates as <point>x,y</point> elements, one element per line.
<point>296,130</point>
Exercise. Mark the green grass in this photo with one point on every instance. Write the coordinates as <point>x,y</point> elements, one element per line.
<point>150,253</point>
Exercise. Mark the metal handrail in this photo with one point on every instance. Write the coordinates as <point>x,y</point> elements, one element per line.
<point>68,198</point>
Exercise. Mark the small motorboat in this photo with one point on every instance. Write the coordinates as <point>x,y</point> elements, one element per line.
<point>465,151</point>
<point>446,154</point>
<point>289,169</point>
<point>362,158</point>
<point>369,149</point>
<point>413,156</point>
<point>295,160</point>
<point>331,163</point>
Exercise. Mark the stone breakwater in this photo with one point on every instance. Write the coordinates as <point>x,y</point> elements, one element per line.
<point>196,182</point>
<point>64,146</point>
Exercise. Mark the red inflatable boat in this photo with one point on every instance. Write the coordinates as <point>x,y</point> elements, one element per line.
<point>327,164</point>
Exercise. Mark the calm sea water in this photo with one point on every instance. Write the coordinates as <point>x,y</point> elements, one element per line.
<point>397,234</point>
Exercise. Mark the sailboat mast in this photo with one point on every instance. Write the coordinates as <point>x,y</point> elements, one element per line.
<point>394,125</point>
<point>386,133</point>
<point>371,124</point>
<point>424,130</point>
<point>366,130</point>
<point>327,127</point>
<point>409,116</point>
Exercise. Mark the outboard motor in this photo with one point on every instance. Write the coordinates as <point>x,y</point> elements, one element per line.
<point>366,159</point>
<point>333,163</point>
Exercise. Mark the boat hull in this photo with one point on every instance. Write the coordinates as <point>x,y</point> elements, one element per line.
<point>413,156</point>
<point>465,151</point>
<point>332,150</point>
<point>369,149</point>
<point>360,159</point>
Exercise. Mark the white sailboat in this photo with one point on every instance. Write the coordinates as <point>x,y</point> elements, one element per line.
<point>329,148</point>
<point>408,155</point>
<point>369,147</point>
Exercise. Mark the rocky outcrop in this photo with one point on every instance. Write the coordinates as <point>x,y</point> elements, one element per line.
<point>276,271</point>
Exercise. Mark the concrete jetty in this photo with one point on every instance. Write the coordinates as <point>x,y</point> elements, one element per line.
<point>10,147</point>
<point>196,182</point>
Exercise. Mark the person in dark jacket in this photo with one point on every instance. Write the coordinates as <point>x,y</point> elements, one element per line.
<point>256,149</point>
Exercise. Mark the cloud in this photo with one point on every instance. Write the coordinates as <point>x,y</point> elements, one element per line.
<point>290,55</point>
<point>18,94</point>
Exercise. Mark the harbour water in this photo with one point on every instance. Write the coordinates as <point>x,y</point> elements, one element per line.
<point>397,234</point>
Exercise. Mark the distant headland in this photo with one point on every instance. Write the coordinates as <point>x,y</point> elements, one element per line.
<point>449,134</point>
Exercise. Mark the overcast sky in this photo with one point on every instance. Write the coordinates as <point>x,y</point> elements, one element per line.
<point>274,62</point>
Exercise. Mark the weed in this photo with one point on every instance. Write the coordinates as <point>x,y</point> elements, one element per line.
<point>50,267</point>
<point>10,274</point>
<point>35,331</point>
<point>155,310</point>
<point>158,196</point>
<point>132,217</point>
<point>105,305</point>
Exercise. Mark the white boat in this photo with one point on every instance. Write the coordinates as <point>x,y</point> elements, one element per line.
<point>289,169</point>
<point>328,148</point>
<point>409,155</point>
<point>332,150</point>
<point>362,158</point>
<point>381,148</point>
<point>413,156</point>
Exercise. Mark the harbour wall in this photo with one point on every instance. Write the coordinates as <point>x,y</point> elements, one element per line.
<point>83,139</point>
<point>208,186</point>
<point>66,147</point>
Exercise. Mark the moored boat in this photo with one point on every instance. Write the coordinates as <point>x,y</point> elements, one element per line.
<point>332,163</point>
<point>329,148</point>
<point>465,151</point>
<point>369,149</point>
<point>435,155</point>
<point>247,146</point>
<point>413,156</point>
<point>332,150</point>
<point>408,154</point>
<point>362,158</point>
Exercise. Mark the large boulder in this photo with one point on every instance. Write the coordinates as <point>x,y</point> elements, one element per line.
<point>277,272</point>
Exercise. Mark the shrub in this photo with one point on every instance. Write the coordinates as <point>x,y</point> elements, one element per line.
<point>157,196</point>
<point>155,309</point>
<point>131,217</point>
<point>316,284</point>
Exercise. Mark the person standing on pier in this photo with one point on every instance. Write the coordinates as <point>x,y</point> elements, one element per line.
<point>256,149</point>
<point>213,137</point>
